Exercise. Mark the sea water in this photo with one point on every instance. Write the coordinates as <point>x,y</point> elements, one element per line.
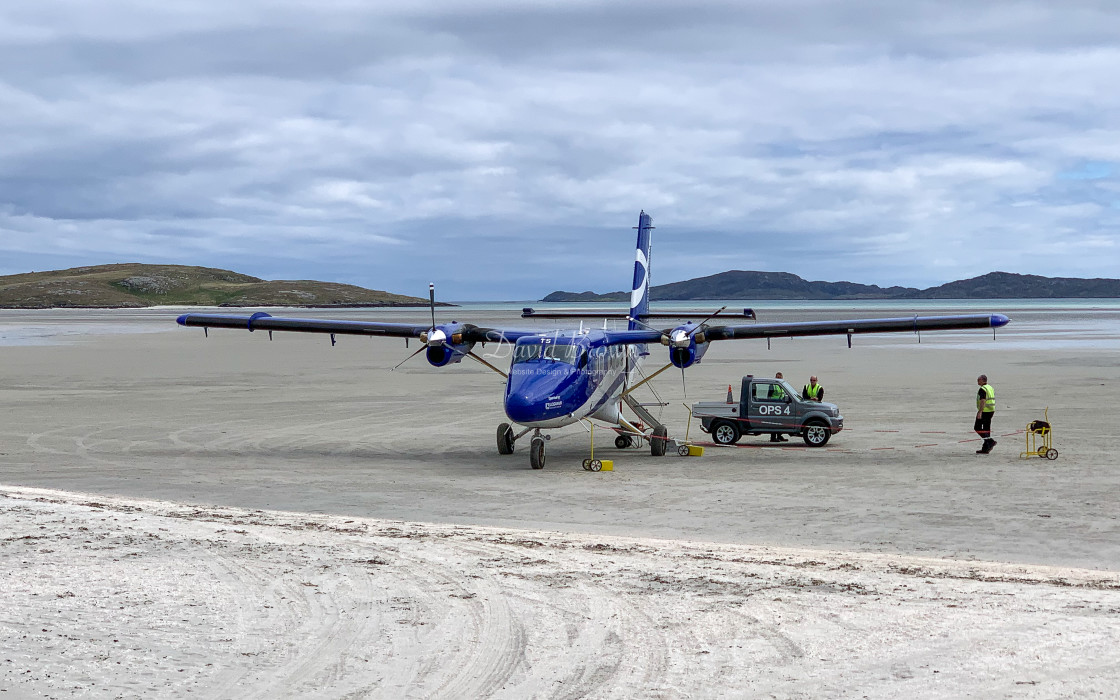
<point>1036,323</point>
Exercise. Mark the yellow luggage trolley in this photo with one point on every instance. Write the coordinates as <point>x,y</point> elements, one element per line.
<point>1039,435</point>
<point>596,465</point>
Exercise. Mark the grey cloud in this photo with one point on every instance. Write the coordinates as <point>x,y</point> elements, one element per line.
<point>505,148</point>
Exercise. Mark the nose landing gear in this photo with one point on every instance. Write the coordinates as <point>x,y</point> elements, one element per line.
<point>536,449</point>
<point>507,438</point>
<point>536,453</point>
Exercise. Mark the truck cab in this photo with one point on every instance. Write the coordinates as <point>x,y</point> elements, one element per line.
<point>768,405</point>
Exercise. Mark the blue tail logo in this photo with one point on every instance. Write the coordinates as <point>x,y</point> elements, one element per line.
<point>639,296</point>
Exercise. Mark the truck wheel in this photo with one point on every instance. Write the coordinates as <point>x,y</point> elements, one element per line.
<point>658,441</point>
<point>724,433</point>
<point>816,434</point>
<point>505,439</point>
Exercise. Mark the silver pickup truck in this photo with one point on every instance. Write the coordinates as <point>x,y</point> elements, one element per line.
<point>768,405</point>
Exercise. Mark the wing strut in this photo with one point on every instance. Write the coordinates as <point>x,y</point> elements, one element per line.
<point>476,357</point>
<point>421,349</point>
<point>631,389</point>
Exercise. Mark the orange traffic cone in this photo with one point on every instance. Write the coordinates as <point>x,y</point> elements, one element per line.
<point>730,398</point>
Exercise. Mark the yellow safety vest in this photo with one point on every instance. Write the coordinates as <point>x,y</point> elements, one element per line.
<point>811,390</point>
<point>987,405</point>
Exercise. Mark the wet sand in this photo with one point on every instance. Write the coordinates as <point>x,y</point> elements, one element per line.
<point>258,507</point>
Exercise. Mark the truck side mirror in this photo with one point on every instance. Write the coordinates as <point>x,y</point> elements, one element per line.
<point>788,399</point>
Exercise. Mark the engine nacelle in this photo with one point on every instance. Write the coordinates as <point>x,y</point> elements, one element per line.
<point>687,345</point>
<point>445,345</point>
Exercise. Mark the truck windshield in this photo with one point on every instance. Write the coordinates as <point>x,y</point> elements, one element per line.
<point>567,354</point>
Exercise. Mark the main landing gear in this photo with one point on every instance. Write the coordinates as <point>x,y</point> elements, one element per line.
<point>658,441</point>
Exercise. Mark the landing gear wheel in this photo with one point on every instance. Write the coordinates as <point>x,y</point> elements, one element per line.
<point>1051,453</point>
<point>725,433</point>
<point>816,434</point>
<point>536,453</point>
<point>658,441</point>
<point>505,439</point>
<point>683,450</point>
<point>622,442</point>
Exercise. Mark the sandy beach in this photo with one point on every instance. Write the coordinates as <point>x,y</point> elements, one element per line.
<point>233,517</point>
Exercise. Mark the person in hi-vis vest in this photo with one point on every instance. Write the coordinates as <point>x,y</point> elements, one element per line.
<point>813,391</point>
<point>985,409</point>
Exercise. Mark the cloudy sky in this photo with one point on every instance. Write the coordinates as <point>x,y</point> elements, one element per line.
<point>504,149</point>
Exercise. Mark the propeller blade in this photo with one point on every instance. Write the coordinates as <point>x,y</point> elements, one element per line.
<point>420,350</point>
<point>432,302</point>
<point>709,318</point>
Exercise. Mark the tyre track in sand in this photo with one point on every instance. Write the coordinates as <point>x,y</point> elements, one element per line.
<point>317,617</point>
<point>477,645</point>
<point>304,605</point>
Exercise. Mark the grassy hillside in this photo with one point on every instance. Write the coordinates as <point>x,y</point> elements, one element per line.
<point>739,284</point>
<point>132,285</point>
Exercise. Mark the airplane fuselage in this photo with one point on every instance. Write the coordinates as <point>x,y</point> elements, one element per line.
<point>562,378</point>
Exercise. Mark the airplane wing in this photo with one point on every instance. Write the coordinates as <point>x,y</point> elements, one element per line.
<point>635,337</point>
<point>808,328</point>
<point>261,321</point>
<point>856,326</point>
<point>475,334</point>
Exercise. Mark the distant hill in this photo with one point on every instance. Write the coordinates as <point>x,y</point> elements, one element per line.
<point>134,285</point>
<point>1008,285</point>
<point>744,284</point>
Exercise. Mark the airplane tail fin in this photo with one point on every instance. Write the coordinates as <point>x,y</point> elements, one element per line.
<point>639,297</point>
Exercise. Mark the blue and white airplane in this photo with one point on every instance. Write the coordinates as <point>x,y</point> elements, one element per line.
<point>561,377</point>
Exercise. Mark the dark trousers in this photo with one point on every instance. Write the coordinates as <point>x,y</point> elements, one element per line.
<point>983,425</point>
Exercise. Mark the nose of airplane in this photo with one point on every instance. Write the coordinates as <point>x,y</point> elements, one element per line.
<point>534,394</point>
<point>521,408</point>
<point>999,320</point>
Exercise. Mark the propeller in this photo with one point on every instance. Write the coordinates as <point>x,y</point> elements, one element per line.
<point>679,338</point>
<point>429,338</point>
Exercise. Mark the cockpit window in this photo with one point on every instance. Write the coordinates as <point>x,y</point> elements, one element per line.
<point>567,354</point>
<point>524,353</point>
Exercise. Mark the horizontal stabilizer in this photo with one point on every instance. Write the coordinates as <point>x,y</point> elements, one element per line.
<point>529,312</point>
